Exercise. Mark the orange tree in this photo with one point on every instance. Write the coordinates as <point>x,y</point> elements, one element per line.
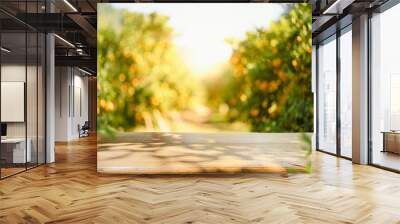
<point>139,70</point>
<point>271,88</point>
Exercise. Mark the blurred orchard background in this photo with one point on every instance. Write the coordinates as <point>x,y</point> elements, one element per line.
<point>147,83</point>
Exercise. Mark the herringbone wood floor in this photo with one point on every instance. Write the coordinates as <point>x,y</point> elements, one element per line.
<point>70,191</point>
<point>193,153</point>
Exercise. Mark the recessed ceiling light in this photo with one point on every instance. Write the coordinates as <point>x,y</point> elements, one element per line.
<point>64,40</point>
<point>5,50</point>
<point>84,71</point>
<point>70,5</point>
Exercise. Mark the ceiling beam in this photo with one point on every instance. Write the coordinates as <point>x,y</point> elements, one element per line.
<point>83,23</point>
<point>48,22</point>
<point>337,7</point>
<point>79,61</point>
<point>321,23</point>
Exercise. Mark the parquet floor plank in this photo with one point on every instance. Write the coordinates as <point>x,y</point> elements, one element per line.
<point>71,191</point>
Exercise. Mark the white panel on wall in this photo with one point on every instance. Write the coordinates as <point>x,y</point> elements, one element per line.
<point>12,101</point>
<point>71,102</point>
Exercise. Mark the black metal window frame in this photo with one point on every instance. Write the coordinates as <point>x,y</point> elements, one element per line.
<point>333,37</point>
<point>387,5</point>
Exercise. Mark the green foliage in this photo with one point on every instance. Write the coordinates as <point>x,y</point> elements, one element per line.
<point>267,83</point>
<point>140,72</point>
<point>307,148</point>
<point>272,70</point>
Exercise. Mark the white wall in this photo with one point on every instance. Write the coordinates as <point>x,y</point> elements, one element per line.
<point>71,87</point>
<point>62,81</point>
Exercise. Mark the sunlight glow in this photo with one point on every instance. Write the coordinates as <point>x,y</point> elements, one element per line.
<point>202,29</point>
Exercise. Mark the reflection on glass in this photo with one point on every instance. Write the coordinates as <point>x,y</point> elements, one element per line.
<point>345,94</point>
<point>327,96</point>
<point>22,91</point>
<point>385,89</point>
<point>14,153</point>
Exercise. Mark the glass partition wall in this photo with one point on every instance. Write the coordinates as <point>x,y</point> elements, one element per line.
<point>334,94</point>
<point>345,61</point>
<point>22,78</point>
<point>385,89</point>
<point>334,105</point>
<point>13,89</point>
<point>327,95</point>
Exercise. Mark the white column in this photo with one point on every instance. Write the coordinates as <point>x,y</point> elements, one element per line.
<point>50,99</point>
<point>50,92</point>
<point>360,90</point>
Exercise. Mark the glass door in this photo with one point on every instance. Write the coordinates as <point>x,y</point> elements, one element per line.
<point>327,95</point>
<point>346,92</point>
<point>22,77</point>
<point>14,153</point>
<point>385,89</point>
